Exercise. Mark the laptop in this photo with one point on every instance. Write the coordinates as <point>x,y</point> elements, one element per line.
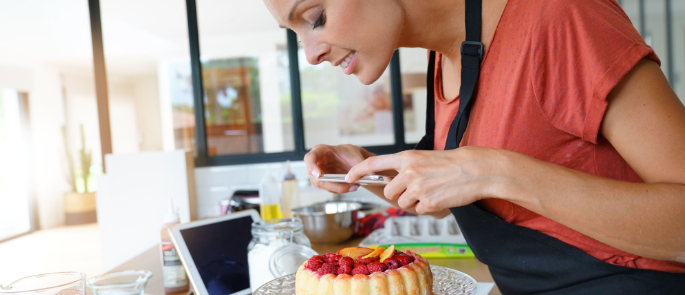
<point>214,252</point>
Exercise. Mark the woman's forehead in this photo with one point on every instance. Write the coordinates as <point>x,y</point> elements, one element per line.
<point>280,9</point>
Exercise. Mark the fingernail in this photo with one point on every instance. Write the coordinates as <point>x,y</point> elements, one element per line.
<point>347,178</point>
<point>353,188</point>
<point>315,173</point>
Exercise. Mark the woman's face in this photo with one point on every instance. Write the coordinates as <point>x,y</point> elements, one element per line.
<point>360,36</point>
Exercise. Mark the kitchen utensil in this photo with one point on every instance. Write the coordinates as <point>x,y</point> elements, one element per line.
<point>366,180</point>
<point>426,235</point>
<point>423,229</point>
<point>366,208</point>
<point>329,222</point>
<point>446,281</point>
<point>60,283</point>
<point>241,200</point>
<point>128,282</point>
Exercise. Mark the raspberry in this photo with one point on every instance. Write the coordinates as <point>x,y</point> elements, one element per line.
<point>326,268</point>
<point>376,267</point>
<point>333,259</point>
<point>345,269</point>
<point>346,261</point>
<point>404,259</point>
<point>360,268</point>
<point>391,263</point>
<point>315,262</point>
<point>328,255</point>
<point>366,260</point>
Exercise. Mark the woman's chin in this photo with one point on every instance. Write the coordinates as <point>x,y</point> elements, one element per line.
<point>366,78</point>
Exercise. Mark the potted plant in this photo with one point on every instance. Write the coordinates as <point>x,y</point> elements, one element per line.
<point>79,203</point>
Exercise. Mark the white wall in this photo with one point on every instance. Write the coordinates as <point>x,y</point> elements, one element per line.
<point>47,115</point>
<point>66,96</point>
<point>81,108</point>
<point>13,77</point>
<point>148,112</point>
<point>122,115</point>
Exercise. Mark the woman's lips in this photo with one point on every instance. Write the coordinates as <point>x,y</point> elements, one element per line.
<point>349,62</point>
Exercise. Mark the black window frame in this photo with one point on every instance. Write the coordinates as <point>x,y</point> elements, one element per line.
<point>203,159</point>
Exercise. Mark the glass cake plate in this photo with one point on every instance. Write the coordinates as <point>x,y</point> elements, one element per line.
<point>446,281</point>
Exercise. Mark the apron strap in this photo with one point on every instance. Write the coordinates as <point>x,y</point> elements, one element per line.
<point>427,141</point>
<point>471,56</point>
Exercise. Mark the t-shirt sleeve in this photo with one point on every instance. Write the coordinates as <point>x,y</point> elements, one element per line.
<point>582,49</point>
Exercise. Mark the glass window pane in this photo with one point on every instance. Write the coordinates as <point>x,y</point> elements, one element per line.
<point>338,109</point>
<point>632,9</point>
<point>245,77</point>
<point>413,66</point>
<point>14,177</point>
<point>655,26</point>
<point>655,34</point>
<point>148,73</point>
<point>46,61</point>
<point>678,31</point>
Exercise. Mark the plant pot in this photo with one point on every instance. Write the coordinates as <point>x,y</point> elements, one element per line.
<point>79,208</point>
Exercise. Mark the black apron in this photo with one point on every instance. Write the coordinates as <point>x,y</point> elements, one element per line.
<point>522,260</point>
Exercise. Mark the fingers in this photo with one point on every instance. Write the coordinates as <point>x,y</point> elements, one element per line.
<point>398,190</point>
<point>408,200</point>
<point>373,164</point>
<point>312,158</point>
<point>426,205</point>
<point>338,188</point>
<point>333,187</point>
<point>395,188</point>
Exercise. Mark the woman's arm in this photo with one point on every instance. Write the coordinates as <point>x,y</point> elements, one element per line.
<point>645,122</point>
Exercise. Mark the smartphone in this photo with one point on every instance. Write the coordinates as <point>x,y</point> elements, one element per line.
<point>366,180</point>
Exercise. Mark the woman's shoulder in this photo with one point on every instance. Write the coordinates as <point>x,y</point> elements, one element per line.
<point>575,14</point>
<point>567,27</point>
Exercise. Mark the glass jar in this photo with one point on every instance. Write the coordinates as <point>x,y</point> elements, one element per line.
<point>279,242</point>
<point>64,283</point>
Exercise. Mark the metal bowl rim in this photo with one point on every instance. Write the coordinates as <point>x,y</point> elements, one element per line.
<point>354,204</point>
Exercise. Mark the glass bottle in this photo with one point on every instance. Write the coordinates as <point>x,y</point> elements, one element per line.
<point>270,196</point>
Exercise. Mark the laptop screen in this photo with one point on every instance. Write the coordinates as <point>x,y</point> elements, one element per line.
<point>219,251</point>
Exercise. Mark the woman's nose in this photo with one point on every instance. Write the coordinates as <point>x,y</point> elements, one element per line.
<point>316,53</point>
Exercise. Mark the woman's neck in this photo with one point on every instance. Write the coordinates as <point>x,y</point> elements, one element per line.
<point>439,24</point>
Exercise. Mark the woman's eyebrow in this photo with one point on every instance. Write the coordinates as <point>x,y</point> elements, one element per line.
<point>292,10</point>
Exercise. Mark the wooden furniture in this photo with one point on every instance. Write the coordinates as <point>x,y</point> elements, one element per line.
<point>150,260</point>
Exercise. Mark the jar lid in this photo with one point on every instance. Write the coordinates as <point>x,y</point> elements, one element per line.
<point>277,226</point>
<point>287,259</point>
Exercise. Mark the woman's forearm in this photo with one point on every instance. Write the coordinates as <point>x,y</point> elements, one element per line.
<point>645,219</point>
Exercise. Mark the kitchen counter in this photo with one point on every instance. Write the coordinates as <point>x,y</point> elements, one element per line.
<point>150,260</point>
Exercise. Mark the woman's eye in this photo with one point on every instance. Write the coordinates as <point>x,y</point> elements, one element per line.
<point>319,21</point>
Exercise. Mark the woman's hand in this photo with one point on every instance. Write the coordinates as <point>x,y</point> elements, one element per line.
<point>326,159</point>
<point>432,181</point>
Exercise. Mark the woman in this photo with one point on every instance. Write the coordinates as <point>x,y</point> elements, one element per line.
<point>570,177</point>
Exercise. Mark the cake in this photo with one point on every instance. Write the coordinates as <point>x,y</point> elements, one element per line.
<point>362,271</point>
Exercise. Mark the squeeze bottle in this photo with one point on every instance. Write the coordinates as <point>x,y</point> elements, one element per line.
<point>270,206</point>
<point>291,192</point>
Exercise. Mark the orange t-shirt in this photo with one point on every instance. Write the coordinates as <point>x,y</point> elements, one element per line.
<point>542,92</point>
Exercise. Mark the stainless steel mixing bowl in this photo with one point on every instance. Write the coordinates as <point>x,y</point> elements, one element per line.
<point>329,222</point>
